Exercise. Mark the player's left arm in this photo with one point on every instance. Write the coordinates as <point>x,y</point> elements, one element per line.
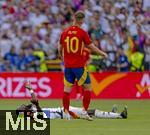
<point>34,98</point>
<point>92,46</point>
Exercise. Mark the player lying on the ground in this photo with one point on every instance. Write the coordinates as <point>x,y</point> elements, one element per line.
<point>34,109</point>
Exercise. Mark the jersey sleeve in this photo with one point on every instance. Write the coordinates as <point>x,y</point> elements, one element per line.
<point>87,39</point>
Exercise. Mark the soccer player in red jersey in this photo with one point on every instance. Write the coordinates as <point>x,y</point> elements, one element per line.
<point>73,40</point>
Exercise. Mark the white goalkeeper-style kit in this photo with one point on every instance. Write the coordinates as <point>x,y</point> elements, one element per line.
<point>58,113</point>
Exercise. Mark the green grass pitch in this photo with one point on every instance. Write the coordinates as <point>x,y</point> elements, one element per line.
<point>138,122</point>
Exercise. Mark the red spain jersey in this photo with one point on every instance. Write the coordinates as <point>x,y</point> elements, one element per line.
<point>73,41</point>
<point>86,54</point>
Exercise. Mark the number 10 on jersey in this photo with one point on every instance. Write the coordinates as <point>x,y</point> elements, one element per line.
<point>72,44</point>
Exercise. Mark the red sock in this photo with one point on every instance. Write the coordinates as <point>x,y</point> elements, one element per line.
<point>66,101</point>
<point>75,116</point>
<point>86,99</point>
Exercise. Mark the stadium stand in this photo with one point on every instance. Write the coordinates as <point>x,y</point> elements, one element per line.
<point>30,30</point>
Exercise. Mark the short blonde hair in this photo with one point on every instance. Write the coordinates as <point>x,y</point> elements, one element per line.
<point>79,15</point>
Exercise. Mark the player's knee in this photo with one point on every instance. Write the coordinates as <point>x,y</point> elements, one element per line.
<point>87,87</point>
<point>67,89</point>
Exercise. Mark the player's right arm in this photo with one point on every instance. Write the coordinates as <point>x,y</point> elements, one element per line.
<point>60,48</point>
<point>60,51</point>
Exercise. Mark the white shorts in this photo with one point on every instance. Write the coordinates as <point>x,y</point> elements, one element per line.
<point>58,113</point>
<point>53,113</point>
<point>76,110</point>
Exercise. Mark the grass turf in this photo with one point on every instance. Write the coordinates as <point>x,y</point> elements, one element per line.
<point>138,122</point>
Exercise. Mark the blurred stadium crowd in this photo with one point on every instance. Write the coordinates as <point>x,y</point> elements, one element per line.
<point>30,30</point>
